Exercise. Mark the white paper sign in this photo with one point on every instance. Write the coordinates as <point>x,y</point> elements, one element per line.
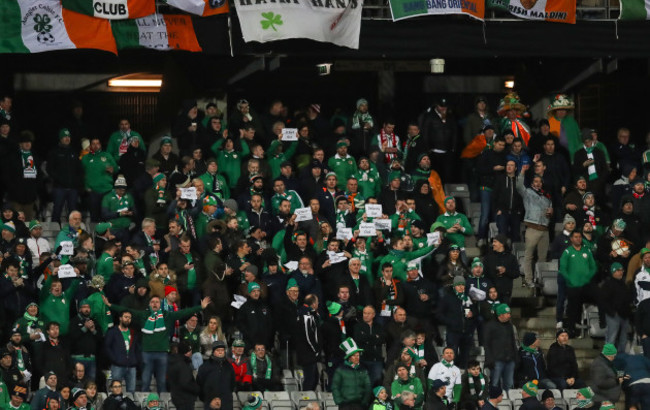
<point>67,248</point>
<point>336,257</point>
<point>238,302</point>
<point>374,210</point>
<point>188,193</point>
<point>344,234</point>
<point>383,224</point>
<point>289,134</point>
<point>476,293</point>
<point>367,229</point>
<point>433,238</point>
<point>303,214</point>
<point>66,271</point>
<point>293,265</point>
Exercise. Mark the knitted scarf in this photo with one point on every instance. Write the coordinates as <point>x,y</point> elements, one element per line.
<point>590,214</point>
<point>20,362</point>
<point>267,374</point>
<point>28,164</point>
<point>637,196</point>
<point>462,296</point>
<point>583,403</point>
<point>528,349</point>
<point>388,141</point>
<point>160,193</point>
<point>349,363</point>
<point>446,363</point>
<point>361,117</point>
<point>591,170</point>
<point>173,307</point>
<point>472,387</point>
<point>155,323</point>
<point>30,319</point>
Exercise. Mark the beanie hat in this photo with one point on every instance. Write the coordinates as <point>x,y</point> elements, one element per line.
<point>615,266</point>
<point>609,350</point>
<point>424,154</point>
<point>334,308</point>
<point>587,195</point>
<point>502,308</point>
<point>33,224</point>
<point>587,392</point>
<point>560,331</point>
<point>120,182</point>
<point>501,238</point>
<point>9,226</point>
<point>291,283</point>
<point>530,388</point>
<point>529,338</point>
<point>619,224</point>
<point>361,101</point>
<point>152,397</point>
<point>449,198</point>
<point>219,344</point>
<point>477,262</point>
<point>251,269</point>
<point>231,204</point>
<point>548,394</point>
<point>20,391</point>
<point>157,178</point>
<point>170,289</point>
<point>166,140</point>
<point>253,402</point>
<point>411,266</point>
<point>495,392</point>
<point>644,251</point>
<point>607,405</point>
<point>184,347</point>
<point>76,392</point>
<point>101,228</point>
<point>394,175</point>
<point>568,218</point>
<point>377,390</point>
<point>84,302</point>
<point>64,132</point>
<point>253,286</point>
<point>49,374</point>
<point>459,280</point>
<point>238,343</point>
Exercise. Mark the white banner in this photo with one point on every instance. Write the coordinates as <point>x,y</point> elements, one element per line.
<point>330,21</point>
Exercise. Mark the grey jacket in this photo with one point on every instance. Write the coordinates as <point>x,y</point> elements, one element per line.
<point>534,204</point>
<point>604,381</point>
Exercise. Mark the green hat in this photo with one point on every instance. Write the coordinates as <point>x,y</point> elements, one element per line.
<point>609,350</point>
<point>587,392</point>
<point>349,347</point>
<point>165,140</point>
<point>477,262</point>
<point>9,226</point>
<point>331,174</point>
<point>253,286</point>
<point>454,247</point>
<point>64,132</point>
<point>291,283</point>
<point>619,224</point>
<point>238,343</point>
<point>411,266</point>
<point>502,308</point>
<point>157,178</point>
<point>101,228</point>
<point>341,143</point>
<point>607,405</point>
<point>531,388</point>
<point>377,390</point>
<point>644,251</point>
<point>33,224</point>
<point>254,402</point>
<point>334,308</point>
<point>448,198</point>
<point>615,266</point>
<point>152,397</point>
<point>437,225</point>
<point>424,154</point>
<point>394,175</point>
<point>209,200</point>
<point>84,302</point>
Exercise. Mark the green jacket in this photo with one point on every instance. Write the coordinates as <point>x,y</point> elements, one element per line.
<point>201,225</point>
<point>369,183</point>
<point>105,266</point>
<point>22,325</point>
<point>413,384</point>
<point>291,196</point>
<point>157,341</point>
<point>448,221</point>
<point>57,309</point>
<point>115,140</point>
<point>99,312</point>
<point>111,207</point>
<point>399,260</point>
<point>4,395</point>
<point>351,386</point>
<point>276,159</point>
<point>344,168</point>
<point>66,234</point>
<point>230,162</point>
<point>221,188</point>
<point>577,267</point>
<point>96,177</point>
<point>407,217</point>
<point>191,338</point>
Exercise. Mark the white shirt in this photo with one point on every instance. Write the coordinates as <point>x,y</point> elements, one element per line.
<point>37,247</point>
<point>449,374</point>
<point>641,276</point>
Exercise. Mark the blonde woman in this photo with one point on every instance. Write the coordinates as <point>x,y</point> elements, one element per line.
<point>212,332</point>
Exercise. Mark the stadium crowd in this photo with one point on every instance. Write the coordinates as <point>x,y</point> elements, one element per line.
<point>211,259</point>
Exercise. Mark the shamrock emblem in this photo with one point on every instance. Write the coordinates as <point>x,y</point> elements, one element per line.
<point>271,20</point>
<point>42,23</point>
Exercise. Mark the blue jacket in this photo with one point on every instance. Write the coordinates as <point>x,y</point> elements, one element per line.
<point>116,349</point>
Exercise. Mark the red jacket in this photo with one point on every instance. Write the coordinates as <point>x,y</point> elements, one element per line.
<point>241,370</point>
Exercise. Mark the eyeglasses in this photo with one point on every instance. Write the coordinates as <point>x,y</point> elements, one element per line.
<point>116,386</point>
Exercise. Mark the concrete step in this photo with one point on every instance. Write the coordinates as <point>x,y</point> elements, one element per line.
<point>538,323</point>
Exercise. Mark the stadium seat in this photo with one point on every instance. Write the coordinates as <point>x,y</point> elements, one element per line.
<point>590,315</point>
<point>327,399</point>
<point>514,394</point>
<point>243,395</point>
<point>140,397</point>
<point>505,405</point>
<point>277,399</point>
<point>568,394</point>
<point>302,398</point>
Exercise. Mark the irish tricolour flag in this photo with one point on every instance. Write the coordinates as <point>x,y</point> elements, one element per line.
<point>35,26</point>
<point>159,32</point>
<point>112,9</point>
<point>201,7</point>
<point>635,10</point>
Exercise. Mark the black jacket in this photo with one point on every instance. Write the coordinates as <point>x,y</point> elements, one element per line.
<point>82,341</point>
<point>371,340</point>
<point>309,337</point>
<point>116,350</point>
<point>216,378</point>
<point>121,402</point>
<point>642,318</point>
<point>562,362</point>
<point>451,312</point>
<point>415,307</point>
<point>183,387</point>
<point>359,296</point>
<point>437,134</point>
<point>503,283</point>
<point>532,366</point>
<point>616,297</point>
<point>499,342</point>
<point>64,167</point>
<point>599,161</point>
<point>255,322</point>
<point>531,403</point>
<point>505,196</point>
<point>485,167</point>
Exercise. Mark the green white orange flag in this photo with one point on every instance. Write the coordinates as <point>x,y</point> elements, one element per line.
<point>402,9</point>
<point>159,32</point>
<point>112,9</point>
<point>635,10</point>
<point>35,26</point>
<point>201,7</point>
<point>558,11</point>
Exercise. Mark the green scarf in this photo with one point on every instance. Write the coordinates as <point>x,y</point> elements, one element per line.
<point>154,323</point>
<point>30,319</point>
<point>359,117</point>
<point>153,257</point>
<point>472,388</point>
<point>462,296</point>
<point>28,164</point>
<point>267,374</point>
<point>528,349</point>
<point>446,363</point>
<point>354,366</point>
<point>583,403</point>
<point>191,274</point>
